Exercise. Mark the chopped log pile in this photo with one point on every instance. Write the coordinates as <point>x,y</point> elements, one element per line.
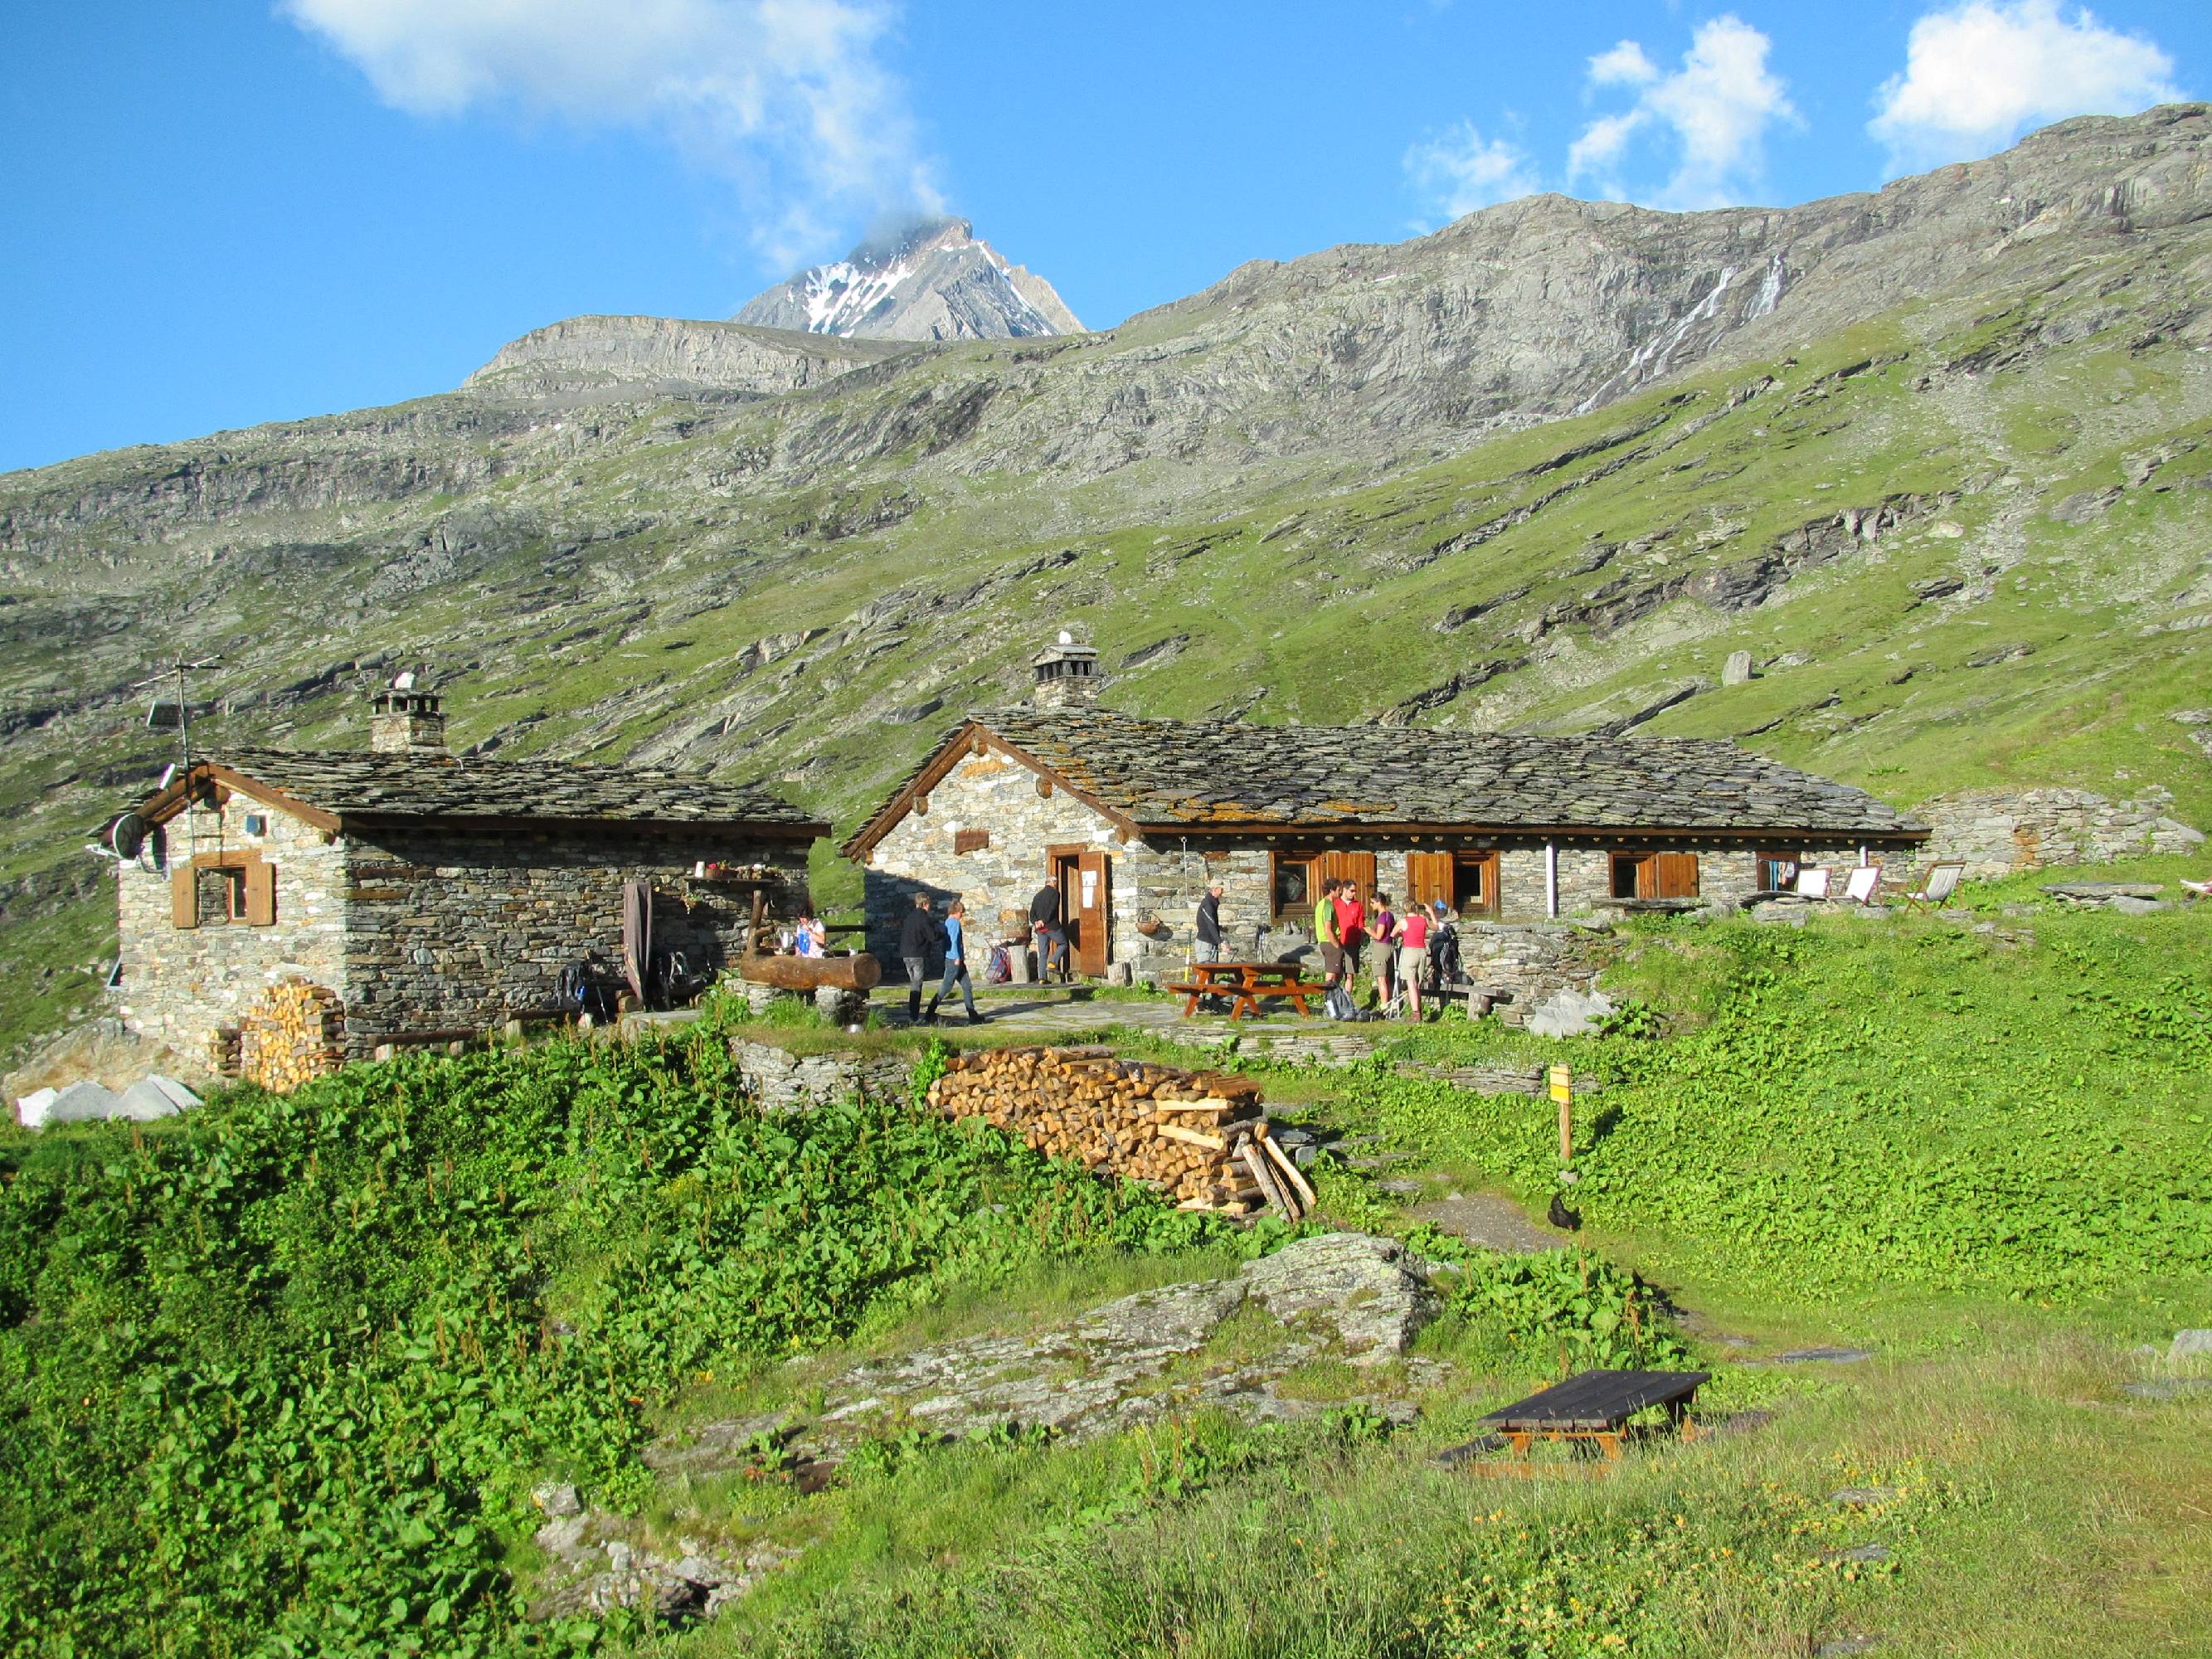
<point>1200,1137</point>
<point>293,1034</point>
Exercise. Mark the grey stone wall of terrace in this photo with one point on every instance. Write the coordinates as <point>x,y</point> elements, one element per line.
<point>452,925</point>
<point>180,983</point>
<point>1995,831</point>
<point>783,1082</point>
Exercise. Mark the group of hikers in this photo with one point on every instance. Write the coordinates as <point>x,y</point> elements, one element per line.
<point>1402,955</point>
<point>1360,938</point>
<point>923,934</point>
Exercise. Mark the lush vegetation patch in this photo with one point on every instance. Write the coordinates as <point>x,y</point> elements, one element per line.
<point>277,1375</point>
<point>1911,1104</point>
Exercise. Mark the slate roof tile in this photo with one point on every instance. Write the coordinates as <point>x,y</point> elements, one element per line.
<point>436,786</point>
<point>1169,773</point>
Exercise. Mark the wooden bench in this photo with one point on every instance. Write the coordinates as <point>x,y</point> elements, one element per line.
<point>1245,983</point>
<point>1590,1409</point>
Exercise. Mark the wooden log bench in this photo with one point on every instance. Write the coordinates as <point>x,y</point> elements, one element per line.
<point>1589,1411</point>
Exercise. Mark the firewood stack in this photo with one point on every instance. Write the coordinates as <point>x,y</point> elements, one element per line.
<point>292,1036</point>
<point>223,1058</point>
<point>1200,1137</point>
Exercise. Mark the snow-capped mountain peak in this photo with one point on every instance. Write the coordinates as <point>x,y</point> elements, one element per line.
<point>930,281</point>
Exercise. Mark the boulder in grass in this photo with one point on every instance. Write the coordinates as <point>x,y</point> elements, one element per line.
<point>2190,1345</point>
<point>31,1109</point>
<point>83,1102</point>
<point>154,1096</point>
<point>1571,1013</point>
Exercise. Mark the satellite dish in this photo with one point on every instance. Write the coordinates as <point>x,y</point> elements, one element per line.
<point>127,834</point>
<point>1067,638</point>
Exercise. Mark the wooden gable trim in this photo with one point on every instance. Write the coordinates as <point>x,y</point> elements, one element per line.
<point>961,746</point>
<point>161,807</point>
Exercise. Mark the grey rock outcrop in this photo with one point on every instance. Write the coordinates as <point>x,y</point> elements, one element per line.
<point>593,357</point>
<point>932,281</point>
<point>1127,1362</point>
<point>1570,1014</point>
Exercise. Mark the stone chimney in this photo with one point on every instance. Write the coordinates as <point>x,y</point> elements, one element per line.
<point>404,719</point>
<point>1066,674</point>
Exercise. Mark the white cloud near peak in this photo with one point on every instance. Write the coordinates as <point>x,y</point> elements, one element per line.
<point>1978,75</point>
<point>1459,170</point>
<point>788,98</point>
<point>1624,64</point>
<point>1714,110</point>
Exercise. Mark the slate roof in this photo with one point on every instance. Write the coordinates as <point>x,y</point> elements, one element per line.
<point>1170,775</point>
<point>366,784</point>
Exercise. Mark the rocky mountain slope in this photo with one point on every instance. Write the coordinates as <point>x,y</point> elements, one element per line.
<point>932,281</point>
<point>1935,459</point>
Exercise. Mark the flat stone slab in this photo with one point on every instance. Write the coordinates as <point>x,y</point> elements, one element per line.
<point>2168,1388</point>
<point>2096,892</point>
<point>1127,1362</point>
<point>1494,1223</point>
<point>1824,1356</point>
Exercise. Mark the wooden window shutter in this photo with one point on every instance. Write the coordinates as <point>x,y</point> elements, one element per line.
<point>1356,867</point>
<point>260,894</point>
<point>965,841</point>
<point>184,895</point>
<point>1674,875</point>
<point>1428,878</point>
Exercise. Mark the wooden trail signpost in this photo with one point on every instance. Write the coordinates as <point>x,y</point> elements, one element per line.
<point>1563,1092</point>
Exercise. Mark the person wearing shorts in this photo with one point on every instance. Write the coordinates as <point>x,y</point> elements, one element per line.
<point>1383,948</point>
<point>1413,955</point>
<point>1327,937</point>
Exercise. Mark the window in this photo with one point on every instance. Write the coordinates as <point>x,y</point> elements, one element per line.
<point>1654,875</point>
<point>257,824</point>
<point>965,841</point>
<point>216,890</point>
<point>1293,883</point>
<point>1776,873</point>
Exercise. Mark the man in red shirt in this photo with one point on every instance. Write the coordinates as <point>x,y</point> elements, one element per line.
<point>1350,925</point>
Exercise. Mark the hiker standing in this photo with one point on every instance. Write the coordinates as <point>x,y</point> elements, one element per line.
<point>1414,955</point>
<point>913,950</point>
<point>1383,949</point>
<point>956,967</point>
<point>1208,929</point>
<point>1327,937</point>
<point>1051,933</point>
<point>1350,927</point>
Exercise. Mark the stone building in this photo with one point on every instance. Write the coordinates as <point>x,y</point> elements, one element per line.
<point>1132,819</point>
<point>429,892</point>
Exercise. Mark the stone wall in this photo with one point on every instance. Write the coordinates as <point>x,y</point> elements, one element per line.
<point>781,1081</point>
<point>1996,831</point>
<point>180,983</point>
<point>453,926</point>
<point>1534,962</point>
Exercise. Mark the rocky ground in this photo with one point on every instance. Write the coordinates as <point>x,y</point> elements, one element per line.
<point>1238,1345</point>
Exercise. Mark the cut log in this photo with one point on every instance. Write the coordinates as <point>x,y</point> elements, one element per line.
<point>1263,1172</point>
<point>1286,1168</point>
<point>854,973</point>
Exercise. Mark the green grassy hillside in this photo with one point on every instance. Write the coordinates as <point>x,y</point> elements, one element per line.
<point>281,1376</point>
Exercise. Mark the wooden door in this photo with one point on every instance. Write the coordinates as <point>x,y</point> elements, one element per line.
<point>1094,903</point>
<point>1671,875</point>
<point>1428,878</point>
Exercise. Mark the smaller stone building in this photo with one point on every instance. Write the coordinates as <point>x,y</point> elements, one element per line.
<point>1132,819</point>
<point>424,892</point>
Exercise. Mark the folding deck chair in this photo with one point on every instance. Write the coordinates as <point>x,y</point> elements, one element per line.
<point>1936,887</point>
<point>1860,885</point>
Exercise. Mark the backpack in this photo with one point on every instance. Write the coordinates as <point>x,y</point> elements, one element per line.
<point>1338,1005</point>
<point>1002,968</point>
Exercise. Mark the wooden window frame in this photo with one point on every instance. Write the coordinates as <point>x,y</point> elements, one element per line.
<point>1646,881</point>
<point>1279,911</point>
<point>255,884</point>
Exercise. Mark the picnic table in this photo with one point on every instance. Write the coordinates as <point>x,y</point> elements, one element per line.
<point>1591,1408</point>
<point>1245,983</point>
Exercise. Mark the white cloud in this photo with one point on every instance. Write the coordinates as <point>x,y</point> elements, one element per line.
<point>1979,75</point>
<point>1459,170</point>
<point>1715,109</point>
<point>1624,65</point>
<point>787,97</point>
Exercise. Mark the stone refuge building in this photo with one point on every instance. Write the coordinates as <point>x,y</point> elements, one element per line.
<point>424,892</point>
<point>1132,819</point>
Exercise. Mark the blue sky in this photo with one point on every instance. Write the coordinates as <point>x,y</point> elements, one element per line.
<point>221,214</point>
